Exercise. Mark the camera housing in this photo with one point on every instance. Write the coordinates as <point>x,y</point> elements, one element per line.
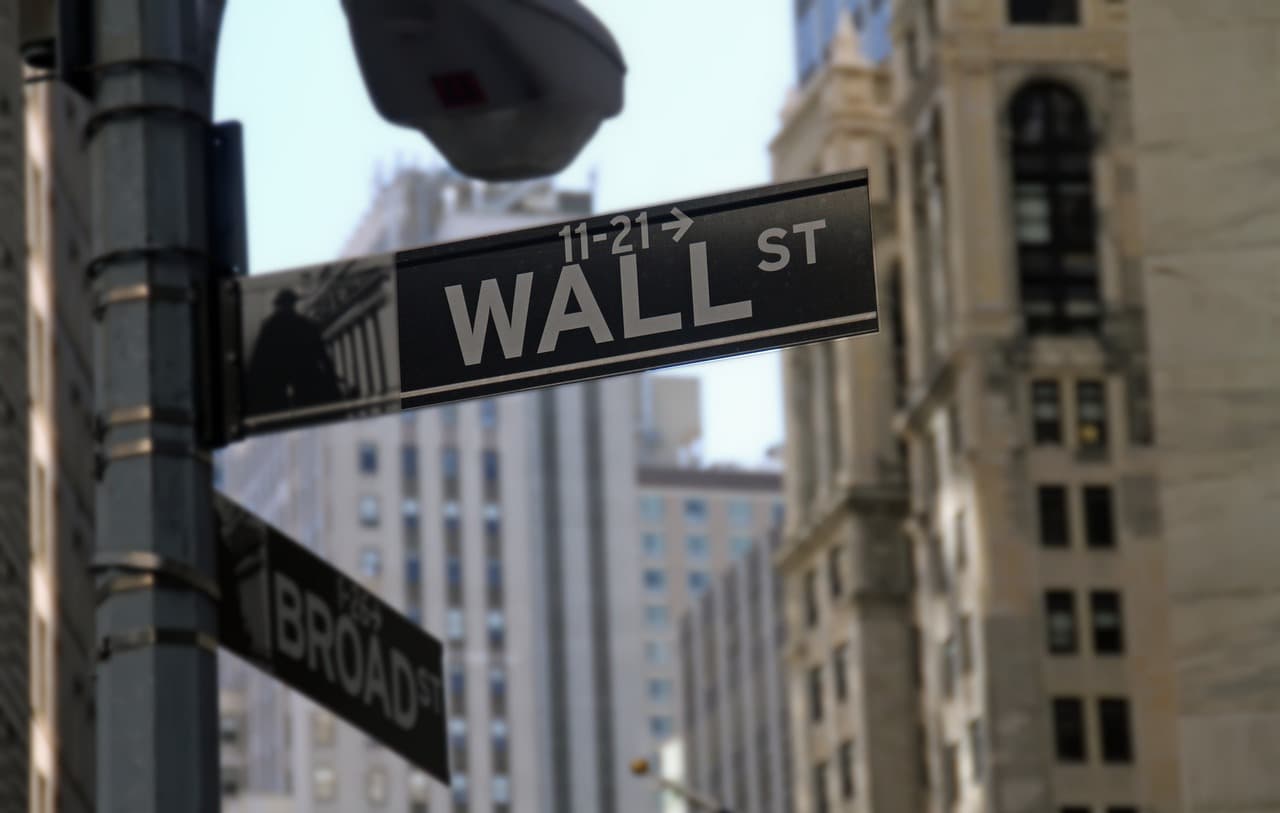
<point>505,89</point>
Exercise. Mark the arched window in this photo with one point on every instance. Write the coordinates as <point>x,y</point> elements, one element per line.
<point>1053,207</point>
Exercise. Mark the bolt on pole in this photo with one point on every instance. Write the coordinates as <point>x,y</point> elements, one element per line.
<point>157,744</point>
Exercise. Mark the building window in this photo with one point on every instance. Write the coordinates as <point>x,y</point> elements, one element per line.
<point>654,545</point>
<point>419,787</point>
<point>500,734</point>
<point>778,514</point>
<point>453,570</point>
<point>1091,416</point>
<point>739,546</point>
<point>449,462</point>
<point>835,571</point>
<point>457,683</point>
<point>1053,207</point>
<point>1054,531</point>
<point>497,684</point>
<point>488,413</point>
<point>811,598</point>
<point>1044,12</point>
<point>452,516</point>
<point>741,513</point>
<point>501,790</point>
<point>965,638</point>
<point>659,689</point>
<point>656,653</point>
<point>454,626</point>
<point>656,616</point>
<point>409,462</point>
<point>1060,621</point>
<point>324,783</point>
<point>949,661</point>
<point>1113,723</point>
<point>660,727</point>
<point>497,626</point>
<point>1108,626</point>
<point>367,457</point>
<point>848,788</point>
<point>651,508</point>
<point>371,562</point>
<point>840,671</point>
<point>655,580</point>
<point>410,510</point>
<point>1068,729</point>
<point>370,513</point>
<point>815,694</point>
<point>492,518</point>
<point>321,727</point>
<point>459,787</point>
<point>449,415</point>
<point>1121,809</point>
<point>1046,413</point>
<point>489,464</point>
<point>820,802</point>
<point>375,785</point>
<point>697,547</point>
<point>493,573</point>
<point>695,511</point>
<point>1099,519</point>
<point>412,568</point>
<point>977,755</point>
<point>698,582</point>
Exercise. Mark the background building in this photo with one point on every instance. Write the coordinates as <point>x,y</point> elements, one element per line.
<point>815,24</point>
<point>1211,243</point>
<point>46,420</point>
<point>694,523</point>
<point>734,730</point>
<point>1016,374</point>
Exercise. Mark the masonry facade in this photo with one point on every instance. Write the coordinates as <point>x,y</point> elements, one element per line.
<point>982,473</point>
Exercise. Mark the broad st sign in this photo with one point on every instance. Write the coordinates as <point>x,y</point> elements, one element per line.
<point>617,293</point>
<point>298,618</point>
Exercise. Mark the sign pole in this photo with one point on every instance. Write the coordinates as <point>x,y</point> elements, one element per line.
<point>156,689</point>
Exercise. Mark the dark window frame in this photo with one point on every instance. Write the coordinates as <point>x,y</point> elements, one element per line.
<point>1098,505</point>
<point>1054,515</point>
<point>1070,738</point>
<point>1054,209</point>
<point>1057,601</point>
<point>1046,393</point>
<point>1108,640</point>
<point>1043,12</point>
<point>1115,730</point>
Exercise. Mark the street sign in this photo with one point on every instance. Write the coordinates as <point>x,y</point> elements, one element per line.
<point>617,293</point>
<point>296,616</point>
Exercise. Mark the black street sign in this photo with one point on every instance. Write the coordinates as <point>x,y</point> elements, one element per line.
<point>616,293</point>
<point>294,615</point>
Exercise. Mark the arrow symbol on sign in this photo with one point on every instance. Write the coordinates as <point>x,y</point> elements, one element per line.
<point>681,223</point>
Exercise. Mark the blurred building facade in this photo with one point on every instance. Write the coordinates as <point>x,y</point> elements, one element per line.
<point>1206,156</point>
<point>734,726</point>
<point>815,23</point>
<point>46,396</point>
<point>695,522</point>
<point>999,577</point>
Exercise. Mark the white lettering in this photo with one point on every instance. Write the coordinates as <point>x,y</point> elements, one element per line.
<point>319,634</point>
<point>429,691</point>
<point>490,305</point>
<point>784,253</point>
<point>350,669</point>
<point>402,694</point>
<point>633,324</point>
<point>810,255</point>
<point>375,677</point>
<point>289,618</point>
<point>572,281</point>
<point>704,313</point>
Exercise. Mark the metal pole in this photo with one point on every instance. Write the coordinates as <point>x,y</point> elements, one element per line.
<point>157,743</point>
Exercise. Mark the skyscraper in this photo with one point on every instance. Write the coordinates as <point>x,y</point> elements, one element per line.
<point>1000,577</point>
<point>47,422</point>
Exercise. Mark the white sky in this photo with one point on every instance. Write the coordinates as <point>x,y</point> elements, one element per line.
<point>705,82</point>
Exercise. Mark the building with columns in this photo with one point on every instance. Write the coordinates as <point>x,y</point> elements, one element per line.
<point>974,538</point>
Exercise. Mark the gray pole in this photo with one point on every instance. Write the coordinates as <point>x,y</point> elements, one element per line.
<point>157,677</point>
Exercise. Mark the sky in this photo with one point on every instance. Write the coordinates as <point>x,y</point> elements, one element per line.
<point>705,83</point>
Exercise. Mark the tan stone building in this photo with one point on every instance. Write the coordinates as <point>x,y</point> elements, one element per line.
<point>985,627</point>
